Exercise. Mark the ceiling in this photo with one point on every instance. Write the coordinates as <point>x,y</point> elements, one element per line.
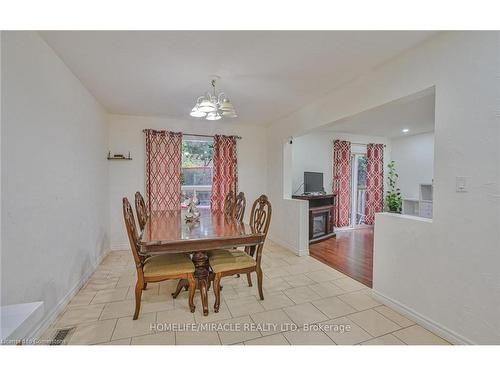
<point>415,113</point>
<point>267,74</point>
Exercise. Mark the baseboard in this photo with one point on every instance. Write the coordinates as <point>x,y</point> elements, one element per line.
<point>120,246</point>
<point>425,322</point>
<point>299,252</point>
<point>303,252</point>
<point>54,313</point>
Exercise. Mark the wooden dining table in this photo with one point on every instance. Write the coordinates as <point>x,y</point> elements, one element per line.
<point>169,232</point>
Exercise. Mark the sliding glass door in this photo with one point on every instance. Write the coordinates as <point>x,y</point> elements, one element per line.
<point>358,189</point>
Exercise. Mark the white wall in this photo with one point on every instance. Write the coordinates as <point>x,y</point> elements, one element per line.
<point>463,261</point>
<point>127,177</point>
<point>313,152</point>
<point>414,157</point>
<point>406,264</point>
<point>54,176</point>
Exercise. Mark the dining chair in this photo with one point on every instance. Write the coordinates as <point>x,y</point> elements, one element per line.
<point>140,208</point>
<point>239,206</point>
<point>228,263</point>
<point>239,213</point>
<point>229,204</point>
<point>156,268</point>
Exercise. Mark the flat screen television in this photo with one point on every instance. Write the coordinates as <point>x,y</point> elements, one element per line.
<point>313,182</point>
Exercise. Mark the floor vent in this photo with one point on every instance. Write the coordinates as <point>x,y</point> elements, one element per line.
<point>60,336</point>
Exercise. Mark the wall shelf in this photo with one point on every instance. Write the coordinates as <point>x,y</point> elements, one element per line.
<point>420,207</point>
<point>115,158</point>
<point>119,156</point>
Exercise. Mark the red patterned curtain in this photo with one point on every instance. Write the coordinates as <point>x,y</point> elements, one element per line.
<point>374,181</point>
<point>163,170</point>
<point>225,174</point>
<point>342,182</point>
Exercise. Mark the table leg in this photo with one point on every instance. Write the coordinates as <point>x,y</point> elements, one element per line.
<point>201,273</point>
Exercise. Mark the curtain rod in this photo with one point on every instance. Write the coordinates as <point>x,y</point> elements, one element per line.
<point>199,135</point>
<point>362,144</point>
<point>209,136</point>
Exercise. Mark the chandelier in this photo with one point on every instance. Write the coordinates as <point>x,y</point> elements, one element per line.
<point>213,106</point>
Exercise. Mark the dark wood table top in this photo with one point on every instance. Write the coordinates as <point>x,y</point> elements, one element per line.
<point>169,231</point>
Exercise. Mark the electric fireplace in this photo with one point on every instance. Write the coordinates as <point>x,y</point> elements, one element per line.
<point>321,209</point>
<point>319,224</point>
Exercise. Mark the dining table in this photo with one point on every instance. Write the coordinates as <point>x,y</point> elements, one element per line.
<point>169,232</point>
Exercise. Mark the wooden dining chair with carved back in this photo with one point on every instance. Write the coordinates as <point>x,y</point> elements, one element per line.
<point>239,213</point>
<point>239,206</point>
<point>228,263</point>
<point>236,210</point>
<point>140,209</point>
<point>229,202</point>
<point>156,268</point>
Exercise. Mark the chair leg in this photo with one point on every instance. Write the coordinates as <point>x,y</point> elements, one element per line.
<point>249,278</point>
<point>145,286</point>
<point>180,286</point>
<point>138,294</point>
<point>217,292</point>
<point>259,283</point>
<point>192,289</point>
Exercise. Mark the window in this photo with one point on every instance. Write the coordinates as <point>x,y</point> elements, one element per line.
<point>197,168</point>
<point>359,163</point>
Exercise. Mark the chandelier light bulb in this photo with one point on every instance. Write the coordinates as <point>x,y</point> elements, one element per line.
<point>213,116</point>
<point>227,106</point>
<point>195,112</point>
<point>207,106</point>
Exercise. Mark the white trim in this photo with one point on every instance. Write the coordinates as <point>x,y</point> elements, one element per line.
<point>425,322</point>
<point>404,216</point>
<point>197,187</point>
<point>357,227</point>
<point>41,327</point>
<point>298,252</point>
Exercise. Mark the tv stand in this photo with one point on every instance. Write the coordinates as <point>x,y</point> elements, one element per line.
<point>321,214</point>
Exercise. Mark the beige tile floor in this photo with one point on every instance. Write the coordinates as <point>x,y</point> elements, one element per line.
<point>306,303</point>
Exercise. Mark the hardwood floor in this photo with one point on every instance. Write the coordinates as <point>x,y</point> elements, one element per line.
<point>351,252</point>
